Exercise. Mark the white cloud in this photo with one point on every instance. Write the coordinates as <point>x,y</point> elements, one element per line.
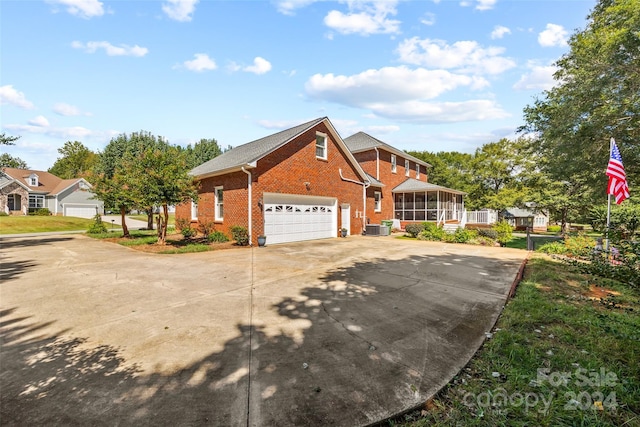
<point>83,8</point>
<point>111,50</point>
<point>539,78</point>
<point>260,66</point>
<point>480,4</point>
<point>499,31</point>
<point>40,121</point>
<point>428,19</point>
<point>281,124</point>
<point>201,63</point>
<point>441,112</point>
<point>68,110</point>
<point>288,7</point>
<point>381,130</point>
<point>364,18</point>
<point>8,95</point>
<point>180,10</point>
<point>388,84</point>
<point>554,35</point>
<point>463,56</point>
<point>63,132</point>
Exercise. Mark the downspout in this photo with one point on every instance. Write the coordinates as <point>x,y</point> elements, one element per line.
<point>377,163</point>
<point>365,185</point>
<point>249,205</point>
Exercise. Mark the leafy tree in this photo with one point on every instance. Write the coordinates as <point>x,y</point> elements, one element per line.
<point>114,191</point>
<point>201,152</point>
<point>125,146</point>
<point>76,161</point>
<point>8,161</point>
<point>8,139</point>
<point>159,177</point>
<point>596,96</point>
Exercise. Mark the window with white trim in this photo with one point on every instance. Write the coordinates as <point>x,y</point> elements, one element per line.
<point>321,146</point>
<point>417,171</point>
<point>393,163</point>
<point>194,210</point>
<point>36,201</point>
<point>219,205</point>
<point>406,167</point>
<point>377,201</point>
<point>33,180</point>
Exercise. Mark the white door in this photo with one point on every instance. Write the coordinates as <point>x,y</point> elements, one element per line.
<point>345,217</point>
<point>293,218</point>
<point>82,211</point>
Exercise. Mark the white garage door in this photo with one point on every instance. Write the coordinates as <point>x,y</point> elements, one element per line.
<point>82,211</point>
<point>293,218</point>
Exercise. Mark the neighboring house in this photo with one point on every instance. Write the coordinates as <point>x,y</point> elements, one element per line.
<point>399,188</point>
<point>23,191</point>
<point>521,218</point>
<point>306,183</point>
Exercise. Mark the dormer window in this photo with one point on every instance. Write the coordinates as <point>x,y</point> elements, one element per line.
<point>33,180</point>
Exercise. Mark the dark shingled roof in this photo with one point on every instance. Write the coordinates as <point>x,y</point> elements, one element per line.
<point>252,151</point>
<point>362,141</point>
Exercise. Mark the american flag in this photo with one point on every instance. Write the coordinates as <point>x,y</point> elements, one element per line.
<point>618,186</point>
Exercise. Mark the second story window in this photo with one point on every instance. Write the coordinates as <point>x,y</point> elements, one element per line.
<point>406,167</point>
<point>417,171</point>
<point>321,146</point>
<point>393,163</point>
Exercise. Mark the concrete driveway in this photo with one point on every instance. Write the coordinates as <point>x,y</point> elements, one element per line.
<point>336,332</point>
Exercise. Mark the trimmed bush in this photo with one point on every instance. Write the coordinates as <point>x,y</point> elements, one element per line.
<point>579,245</point>
<point>189,232</point>
<point>553,229</point>
<point>504,230</point>
<point>217,237</point>
<point>414,228</point>
<point>206,227</point>
<point>553,248</point>
<point>240,235</point>
<point>433,233</point>
<point>488,232</point>
<point>463,235</point>
<point>41,212</point>
<point>98,226</point>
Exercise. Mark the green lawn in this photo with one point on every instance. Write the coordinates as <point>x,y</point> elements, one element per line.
<point>520,242</point>
<point>172,218</point>
<point>565,351</point>
<point>39,224</point>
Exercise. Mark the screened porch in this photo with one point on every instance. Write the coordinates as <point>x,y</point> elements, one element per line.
<point>428,203</point>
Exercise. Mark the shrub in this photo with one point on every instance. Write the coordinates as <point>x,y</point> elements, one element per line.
<point>414,228</point>
<point>3,213</point>
<point>553,248</point>
<point>98,226</point>
<point>483,241</point>
<point>579,245</point>
<point>504,230</point>
<point>206,227</point>
<point>240,235</point>
<point>622,264</point>
<point>41,212</point>
<point>189,232</point>
<point>463,235</point>
<point>553,228</point>
<point>217,237</point>
<point>488,232</point>
<point>182,223</point>
<point>433,233</point>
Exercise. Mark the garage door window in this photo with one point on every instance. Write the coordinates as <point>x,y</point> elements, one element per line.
<point>219,203</point>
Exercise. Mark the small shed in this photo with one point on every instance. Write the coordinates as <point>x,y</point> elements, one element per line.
<point>521,219</point>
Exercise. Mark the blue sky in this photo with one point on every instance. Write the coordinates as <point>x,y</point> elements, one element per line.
<point>420,75</point>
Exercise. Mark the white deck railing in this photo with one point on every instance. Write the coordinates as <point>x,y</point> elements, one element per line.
<point>482,217</point>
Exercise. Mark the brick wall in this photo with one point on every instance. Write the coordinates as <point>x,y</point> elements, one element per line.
<point>367,160</point>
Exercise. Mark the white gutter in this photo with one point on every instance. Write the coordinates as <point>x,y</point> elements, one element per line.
<point>249,203</point>
<point>377,163</point>
<point>365,185</point>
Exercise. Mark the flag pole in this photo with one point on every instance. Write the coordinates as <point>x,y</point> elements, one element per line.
<point>608,205</point>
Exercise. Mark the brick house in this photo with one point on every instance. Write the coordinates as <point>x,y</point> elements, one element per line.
<point>399,185</point>
<point>25,190</point>
<point>307,183</point>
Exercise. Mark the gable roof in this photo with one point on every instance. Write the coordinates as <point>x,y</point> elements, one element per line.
<point>520,213</point>
<point>411,185</point>
<point>48,183</point>
<point>362,141</point>
<point>247,155</point>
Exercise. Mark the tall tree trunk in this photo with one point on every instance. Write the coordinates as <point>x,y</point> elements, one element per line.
<point>149,213</point>
<point>125,230</point>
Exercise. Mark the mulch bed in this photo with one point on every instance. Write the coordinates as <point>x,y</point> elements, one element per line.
<point>173,241</point>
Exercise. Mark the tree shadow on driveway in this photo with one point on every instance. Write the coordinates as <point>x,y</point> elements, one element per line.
<point>373,339</point>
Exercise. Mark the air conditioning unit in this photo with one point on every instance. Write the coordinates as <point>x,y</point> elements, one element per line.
<point>373,229</point>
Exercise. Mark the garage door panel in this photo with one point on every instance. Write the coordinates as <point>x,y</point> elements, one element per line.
<point>292,218</point>
<point>80,211</point>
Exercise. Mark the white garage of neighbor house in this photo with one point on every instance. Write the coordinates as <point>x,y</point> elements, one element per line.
<point>23,191</point>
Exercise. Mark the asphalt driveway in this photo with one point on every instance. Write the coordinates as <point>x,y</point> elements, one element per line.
<point>336,332</point>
